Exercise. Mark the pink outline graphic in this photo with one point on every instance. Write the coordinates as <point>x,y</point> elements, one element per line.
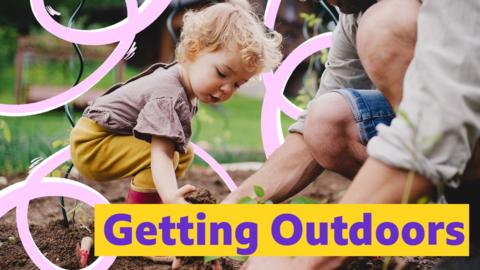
<point>274,102</point>
<point>123,32</point>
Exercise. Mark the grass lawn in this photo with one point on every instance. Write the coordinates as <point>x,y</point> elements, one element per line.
<point>231,132</point>
<point>236,140</point>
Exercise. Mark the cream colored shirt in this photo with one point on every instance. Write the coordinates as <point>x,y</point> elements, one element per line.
<point>441,100</point>
<point>343,68</point>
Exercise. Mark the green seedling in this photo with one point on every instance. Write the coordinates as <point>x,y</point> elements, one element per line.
<point>237,258</point>
<point>260,193</point>
<point>304,200</point>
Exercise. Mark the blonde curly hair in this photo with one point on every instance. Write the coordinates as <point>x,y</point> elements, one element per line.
<point>232,25</point>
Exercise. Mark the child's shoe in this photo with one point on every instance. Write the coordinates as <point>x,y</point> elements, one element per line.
<point>138,195</point>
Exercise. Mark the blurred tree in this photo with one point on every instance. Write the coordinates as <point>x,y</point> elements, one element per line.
<point>18,14</point>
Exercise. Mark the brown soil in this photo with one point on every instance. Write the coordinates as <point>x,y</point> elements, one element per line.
<point>60,244</point>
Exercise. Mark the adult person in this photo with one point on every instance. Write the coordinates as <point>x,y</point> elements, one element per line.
<point>332,137</point>
<point>291,167</point>
<point>439,97</point>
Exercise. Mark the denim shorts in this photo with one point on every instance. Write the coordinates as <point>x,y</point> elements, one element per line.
<point>369,108</point>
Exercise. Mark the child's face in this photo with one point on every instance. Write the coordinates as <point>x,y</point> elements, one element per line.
<point>214,76</point>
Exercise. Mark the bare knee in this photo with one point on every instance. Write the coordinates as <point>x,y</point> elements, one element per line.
<point>329,129</point>
<point>386,40</point>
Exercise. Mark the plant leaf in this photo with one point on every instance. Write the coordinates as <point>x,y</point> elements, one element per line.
<point>207,259</point>
<point>303,200</point>
<point>57,143</point>
<point>259,191</point>
<point>239,258</point>
<point>247,200</point>
<point>56,173</point>
<point>303,15</point>
<point>423,200</point>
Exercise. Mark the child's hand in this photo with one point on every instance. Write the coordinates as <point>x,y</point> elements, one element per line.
<point>179,196</point>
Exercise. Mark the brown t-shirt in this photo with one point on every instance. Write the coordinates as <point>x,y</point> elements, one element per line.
<point>153,103</point>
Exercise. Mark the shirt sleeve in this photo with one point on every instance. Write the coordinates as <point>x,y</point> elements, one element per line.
<point>343,68</point>
<point>159,117</point>
<point>438,122</point>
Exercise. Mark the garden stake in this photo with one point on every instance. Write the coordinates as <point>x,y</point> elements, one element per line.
<point>85,246</point>
<point>67,108</point>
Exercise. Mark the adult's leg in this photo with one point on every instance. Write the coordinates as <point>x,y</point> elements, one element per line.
<point>386,40</point>
<point>332,136</point>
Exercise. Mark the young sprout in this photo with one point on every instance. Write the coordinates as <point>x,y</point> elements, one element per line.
<point>303,200</point>
<point>260,193</point>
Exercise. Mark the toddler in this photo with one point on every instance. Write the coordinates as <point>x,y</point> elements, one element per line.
<point>138,129</point>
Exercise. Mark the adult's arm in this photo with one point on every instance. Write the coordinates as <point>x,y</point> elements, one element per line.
<point>291,167</point>
<point>288,170</point>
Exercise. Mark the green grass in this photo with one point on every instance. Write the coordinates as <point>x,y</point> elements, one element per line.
<point>237,124</point>
<point>230,132</point>
<point>55,74</point>
<point>240,140</point>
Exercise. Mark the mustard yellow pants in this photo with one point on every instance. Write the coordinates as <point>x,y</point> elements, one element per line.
<point>101,156</point>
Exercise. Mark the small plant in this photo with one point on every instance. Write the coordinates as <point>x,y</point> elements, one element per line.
<point>236,258</point>
<point>312,26</point>
<point>304,200</point>
<point>260,193</point>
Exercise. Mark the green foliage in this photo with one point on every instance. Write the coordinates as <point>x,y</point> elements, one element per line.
<point>7,134</point>
<point>303,200</point>
<point>32,138</point>
<point>207,259</point>
<point>311,19</point>
<point>423,200</point>
<point>259,191</point>
<point>8,46</point>
<point>239,258</point>
<point>311,80</point>
<point>247,200</point>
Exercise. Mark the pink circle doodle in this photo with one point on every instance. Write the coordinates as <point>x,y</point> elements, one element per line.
<point>35,186</point>
<point>274,102</point>
<point>123,32</point>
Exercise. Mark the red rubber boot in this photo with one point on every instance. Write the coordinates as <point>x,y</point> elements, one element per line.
<point>138,195</point>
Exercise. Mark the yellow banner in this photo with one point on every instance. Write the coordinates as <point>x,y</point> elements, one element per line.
<point>281,230</point>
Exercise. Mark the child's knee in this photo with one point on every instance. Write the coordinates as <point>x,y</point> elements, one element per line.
<point>144,180</point>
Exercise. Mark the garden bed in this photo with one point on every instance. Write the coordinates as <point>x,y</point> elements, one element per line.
<point>59,244</point>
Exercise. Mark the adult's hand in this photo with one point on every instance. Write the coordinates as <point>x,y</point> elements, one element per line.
<point>288,170</point>
<point>288,263</point>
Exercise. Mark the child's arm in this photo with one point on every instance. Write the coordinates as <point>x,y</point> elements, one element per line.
<point>163,172</point>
